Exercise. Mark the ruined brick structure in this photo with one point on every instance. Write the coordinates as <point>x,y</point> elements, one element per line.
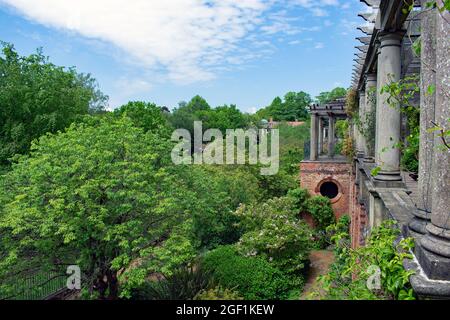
<point>314,174</point>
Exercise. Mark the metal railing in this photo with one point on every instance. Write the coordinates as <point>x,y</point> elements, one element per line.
<point>33,286</point>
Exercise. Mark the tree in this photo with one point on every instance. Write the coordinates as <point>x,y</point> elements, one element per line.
<point>144,115</point>
<point>196,104</point>
<point>328,96</point>
<point>38,97</point>
<point>294,107</point>
<point>94,196</point>
<point>222,117</point>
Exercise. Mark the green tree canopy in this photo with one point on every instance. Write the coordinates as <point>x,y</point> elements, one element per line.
<point>94,196</point>
<point>328,96</point>
<point>144,115</point>
<point>293,107</point>
<point>222,117</point>
<point>38,97</point>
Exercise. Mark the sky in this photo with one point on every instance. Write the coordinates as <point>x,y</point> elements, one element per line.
<point>243,52</point>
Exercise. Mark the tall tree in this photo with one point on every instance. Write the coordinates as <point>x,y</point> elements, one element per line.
<point>93,196</point>
<point>293,107</point>
<point>37,97</point>
<point>328,96</point>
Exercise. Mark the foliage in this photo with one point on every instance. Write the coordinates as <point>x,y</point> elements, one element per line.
<point>219,190</point>
<point>351,103</point>
<point>342,132</point>
<point>144,115</point>
<point>183,284</point>
<point>368,122</point>
<point>274,231</point>
<point>91,196</point>
<point>410,157</point>
<point>177,250</point>
<point>292,140</point>
<point>320,209</point>
<point>400,94</point>
<point>253,277</point>
<point>222,117</point>
<point>348,148</point>
<point>218,293</point>
<point>300,199</point>
<point>293,107</point>
<point>37,97</point>
<point>350,273</point>
<point>336,93</point>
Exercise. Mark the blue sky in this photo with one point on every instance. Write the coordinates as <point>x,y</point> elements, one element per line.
<point>245,52</point>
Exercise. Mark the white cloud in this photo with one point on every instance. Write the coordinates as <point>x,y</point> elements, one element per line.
<point>316,7</point>
<point>184,37</point>
<point>183,41</point>
<point>319,45</point>
<point>319,12</point>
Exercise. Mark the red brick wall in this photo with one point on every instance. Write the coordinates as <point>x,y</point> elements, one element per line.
<point>314,173</point>
<point>358,217</point>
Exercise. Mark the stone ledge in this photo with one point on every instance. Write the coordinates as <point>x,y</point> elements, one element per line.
<point>424,287</point>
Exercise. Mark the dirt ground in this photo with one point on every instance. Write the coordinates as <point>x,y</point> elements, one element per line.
<point>320,263</point>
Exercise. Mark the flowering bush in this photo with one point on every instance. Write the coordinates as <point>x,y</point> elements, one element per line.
<point>274,231</point>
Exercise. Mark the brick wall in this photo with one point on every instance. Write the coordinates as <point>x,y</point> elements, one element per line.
<point>314,173</point>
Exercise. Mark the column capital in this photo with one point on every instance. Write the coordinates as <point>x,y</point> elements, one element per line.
<point>371,77</point>
<point>390,38</point>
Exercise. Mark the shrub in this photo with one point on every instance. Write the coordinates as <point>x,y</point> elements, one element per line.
<point>348,276</point>
<point>322,212</point>
<point>274,231</point>
<point>300,197</point>
<point>183,284</point>
<point>253,277</point>
<point>218,293</point>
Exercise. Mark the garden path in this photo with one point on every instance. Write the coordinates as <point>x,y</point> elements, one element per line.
<point>319,265</point>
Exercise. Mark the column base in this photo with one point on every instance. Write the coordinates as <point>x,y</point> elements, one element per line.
<point>360,154</point>
<point>418,225</point>
<point>419,221</point>
<point>435,266</point>
<point>389,176</point>
<point>369,159</point>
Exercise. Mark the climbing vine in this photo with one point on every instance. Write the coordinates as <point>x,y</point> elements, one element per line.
<point>402,94</point>
<point>367,124</point>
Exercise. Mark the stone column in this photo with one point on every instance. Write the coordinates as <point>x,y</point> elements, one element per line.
<point>360,139</point>
<point>378,97</point>
<point>320,136</point>
<point>388,116</point>
<point>427,114</point>
<point>314,125</point>
<point>435,258</point>
<point>331,136</point>
<point>370,109</point>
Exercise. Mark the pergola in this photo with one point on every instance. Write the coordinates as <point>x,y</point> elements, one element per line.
<point>331,112</point>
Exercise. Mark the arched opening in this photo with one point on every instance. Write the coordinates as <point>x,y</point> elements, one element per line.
<point>329,189</point>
